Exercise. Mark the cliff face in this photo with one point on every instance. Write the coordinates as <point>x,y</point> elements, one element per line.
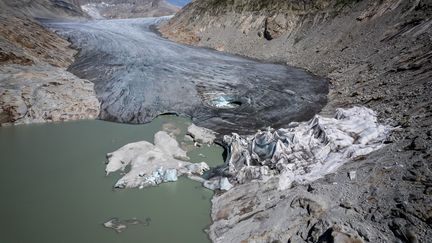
<point>376,54</point>
<point>43,8</point>
<point>127,8</point>
<point>34,83</point>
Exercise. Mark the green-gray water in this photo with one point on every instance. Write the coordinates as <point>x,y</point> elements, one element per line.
<point>53,187</point>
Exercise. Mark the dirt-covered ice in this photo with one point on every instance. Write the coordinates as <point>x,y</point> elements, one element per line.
<point>139,75</point>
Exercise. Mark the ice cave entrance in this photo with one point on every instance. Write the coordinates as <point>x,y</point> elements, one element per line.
<point>225,102</point>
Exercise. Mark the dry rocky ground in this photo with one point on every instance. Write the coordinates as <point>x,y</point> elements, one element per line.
<point>376,54</point>
<point>34,83</point>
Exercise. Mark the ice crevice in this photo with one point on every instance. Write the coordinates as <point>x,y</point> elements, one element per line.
<point>305,151</point>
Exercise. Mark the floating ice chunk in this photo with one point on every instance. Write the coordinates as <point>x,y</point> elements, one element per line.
<point>122,157</point>
<point>115,224</point>
<point>197,168</point>
<point>152,164</point>
<point>170,175</point>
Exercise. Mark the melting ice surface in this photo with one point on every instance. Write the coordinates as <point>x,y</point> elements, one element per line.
<point>305,151</point>
<point>225,102</point>
<point>139,75</point>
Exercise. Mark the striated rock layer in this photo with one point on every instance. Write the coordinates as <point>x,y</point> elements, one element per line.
<point>375,54</point>
<point>34,83</point>
<point>30,94</point>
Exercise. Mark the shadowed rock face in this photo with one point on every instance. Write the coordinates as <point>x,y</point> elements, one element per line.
<point>139,75</point>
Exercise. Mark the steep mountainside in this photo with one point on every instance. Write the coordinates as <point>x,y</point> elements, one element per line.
<point>34,83</point>
<point>376,54</point>
<point>120,9</point>
<point>43,8</point>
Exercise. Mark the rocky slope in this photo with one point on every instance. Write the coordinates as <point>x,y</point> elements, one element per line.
<point>121,9</point>
<point>376,54</point>
<point>34,83</point>
<point>42,8</point>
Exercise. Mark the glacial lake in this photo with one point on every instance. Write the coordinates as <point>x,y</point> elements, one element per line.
<point>54,189</point>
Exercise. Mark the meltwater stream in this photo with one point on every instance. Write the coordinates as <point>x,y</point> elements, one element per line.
<point>53,186</point>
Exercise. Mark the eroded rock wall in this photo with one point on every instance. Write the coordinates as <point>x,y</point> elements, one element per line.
<point>47,9</point>
<point>34,83</point>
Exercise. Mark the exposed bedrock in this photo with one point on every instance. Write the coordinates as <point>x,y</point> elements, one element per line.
<point>43,93</point>
<point>34,83</point>
<point>139,75</point>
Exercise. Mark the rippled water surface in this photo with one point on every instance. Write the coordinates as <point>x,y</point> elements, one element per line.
<point>53,187</point>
